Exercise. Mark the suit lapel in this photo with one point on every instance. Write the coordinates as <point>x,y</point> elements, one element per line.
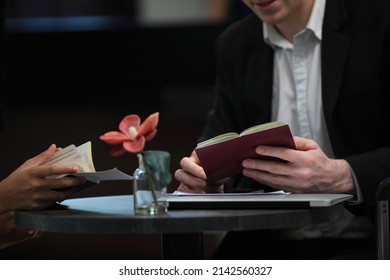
<point>335,48</point>
<point>259,87</point>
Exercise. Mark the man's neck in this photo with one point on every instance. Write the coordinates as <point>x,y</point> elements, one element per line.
<point>297,20</point>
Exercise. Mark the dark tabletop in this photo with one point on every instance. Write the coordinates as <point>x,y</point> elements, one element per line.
<point>115,215</point>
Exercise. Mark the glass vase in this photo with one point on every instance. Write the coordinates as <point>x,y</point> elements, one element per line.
<point>149,193</point>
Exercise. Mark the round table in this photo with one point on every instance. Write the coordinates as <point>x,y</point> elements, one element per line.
<point>181,230</point>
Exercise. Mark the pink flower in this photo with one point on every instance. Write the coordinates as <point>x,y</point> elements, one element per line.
<point>132,135</point>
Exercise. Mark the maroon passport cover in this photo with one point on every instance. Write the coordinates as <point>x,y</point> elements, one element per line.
<point>224,159</point>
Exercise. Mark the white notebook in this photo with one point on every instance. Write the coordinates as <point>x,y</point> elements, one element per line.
<point>254,201</point>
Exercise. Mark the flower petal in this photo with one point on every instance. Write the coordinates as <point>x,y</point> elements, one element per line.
<point>141,132</point>
<point>135,146</point>
<point>117,151</point>
<point>128,121</point>
<point>149,124</point>
<point>150,135</point>
<point>114,137</point>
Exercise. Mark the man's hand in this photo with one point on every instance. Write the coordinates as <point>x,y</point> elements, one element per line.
<point>192,177</point>
<point>305,170</point>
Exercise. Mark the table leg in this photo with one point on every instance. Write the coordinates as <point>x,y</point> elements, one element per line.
<point>182,246</point>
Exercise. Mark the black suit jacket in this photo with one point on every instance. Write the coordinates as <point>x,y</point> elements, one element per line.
<point>355,84</point>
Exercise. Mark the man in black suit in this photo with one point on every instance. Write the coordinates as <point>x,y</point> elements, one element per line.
<point>323,66</point>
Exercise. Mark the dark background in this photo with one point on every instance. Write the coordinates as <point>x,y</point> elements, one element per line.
<point>67,86</point>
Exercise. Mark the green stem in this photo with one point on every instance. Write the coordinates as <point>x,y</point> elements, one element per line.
<point>149,177</point>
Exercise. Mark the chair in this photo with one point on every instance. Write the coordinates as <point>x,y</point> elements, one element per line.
<point>382,219</point>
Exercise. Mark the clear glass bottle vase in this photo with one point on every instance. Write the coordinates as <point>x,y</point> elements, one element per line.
<point>149,195</point>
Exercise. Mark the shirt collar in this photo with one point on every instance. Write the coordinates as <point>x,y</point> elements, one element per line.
<point>274,38</point>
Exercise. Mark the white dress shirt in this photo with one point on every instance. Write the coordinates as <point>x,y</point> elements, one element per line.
<point>297,80</point>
